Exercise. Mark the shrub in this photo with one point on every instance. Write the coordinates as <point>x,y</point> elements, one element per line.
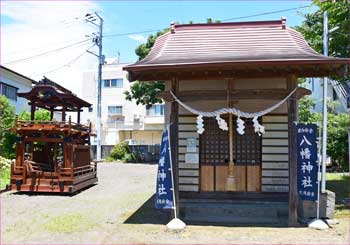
<point>4,163</point>
<point>7,119</point>
<point>5,166</point>
<point>119,151</point>
<point>128,158</point>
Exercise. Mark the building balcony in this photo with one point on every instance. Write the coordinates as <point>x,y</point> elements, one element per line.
<point>150,120</point>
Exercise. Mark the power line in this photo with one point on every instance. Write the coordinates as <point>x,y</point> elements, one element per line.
<point>37,48</point>
<point>131,33</point>
<point>266,13</point>
<point>67,64</point>
<point>236,18</point>
<point>47,52</point>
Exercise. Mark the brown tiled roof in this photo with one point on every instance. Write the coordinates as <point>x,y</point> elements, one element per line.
<point>230,44</point>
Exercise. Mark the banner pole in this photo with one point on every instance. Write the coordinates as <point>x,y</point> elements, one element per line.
<point>317,223</point>
<point>171,172</point>
<point>318,175</point>
<point>175,223</point>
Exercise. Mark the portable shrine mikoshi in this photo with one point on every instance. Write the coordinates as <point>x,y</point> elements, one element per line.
<point>52,156</point>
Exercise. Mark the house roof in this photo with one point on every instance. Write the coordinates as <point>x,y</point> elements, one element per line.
<point>263,43</point>
<point>18,74</point>
<point>48,94</point>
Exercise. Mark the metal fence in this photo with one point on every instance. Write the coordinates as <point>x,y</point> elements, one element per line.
<point>147,153</point>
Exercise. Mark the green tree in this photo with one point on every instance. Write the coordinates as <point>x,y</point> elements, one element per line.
<point>7,119</point>
<point>337,139</point>
<point>337,126</point>
<point>142,92</point>
<point>40,115</point>
<point>338,17</point>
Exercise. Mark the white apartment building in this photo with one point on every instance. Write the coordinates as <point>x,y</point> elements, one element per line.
<point>122,120</point>
<point>11,83</point>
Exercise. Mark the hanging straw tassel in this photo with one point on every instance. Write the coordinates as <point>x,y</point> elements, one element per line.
<point>258,128</point>
<point>200,124</point>
<point>240,126</point>
<point>222,123</point>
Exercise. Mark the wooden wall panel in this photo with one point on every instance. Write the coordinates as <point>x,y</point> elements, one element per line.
<point>188,172</point>
<point>194,188</point>
<point>275,154</point>
<point>254,179</point>
<point>240,175</point>
<point>189,119</point>
<point>207,178</point>
<point>220,178</point>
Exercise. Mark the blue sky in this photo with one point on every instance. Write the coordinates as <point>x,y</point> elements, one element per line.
<point>29,28</point>
<point>124,17</point>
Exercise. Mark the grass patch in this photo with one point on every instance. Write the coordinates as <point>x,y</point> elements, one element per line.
<point>5,178</point>
<point>339,183</point>
<point>68,223</point>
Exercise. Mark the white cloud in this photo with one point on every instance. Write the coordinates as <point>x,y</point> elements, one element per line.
<point>138,38</point>
<point>37,27</point>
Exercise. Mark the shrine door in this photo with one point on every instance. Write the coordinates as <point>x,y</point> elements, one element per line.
<point>214,158</point>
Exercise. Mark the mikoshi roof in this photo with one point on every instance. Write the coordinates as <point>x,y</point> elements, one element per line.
<point>265,47</point>
<point>49,95</point>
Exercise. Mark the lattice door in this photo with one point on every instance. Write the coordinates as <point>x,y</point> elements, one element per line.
<point>214,157</point>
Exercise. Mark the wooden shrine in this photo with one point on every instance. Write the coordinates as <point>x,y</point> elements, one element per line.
<point>52,156</point>
<point>245,65</point>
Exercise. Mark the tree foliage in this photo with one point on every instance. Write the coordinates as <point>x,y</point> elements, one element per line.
<point>337,130</point>
<point>40,115</point>
<point>7,121</point>
<point>338,17</point>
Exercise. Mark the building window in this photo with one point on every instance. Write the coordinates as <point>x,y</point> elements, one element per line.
<point>113,83</point>
<point>155,111</point>
<point>115,110</point>
<point>9,91</point>
<point>91,109</point>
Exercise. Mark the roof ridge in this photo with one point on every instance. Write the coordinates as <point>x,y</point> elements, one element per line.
<point>280,22</point>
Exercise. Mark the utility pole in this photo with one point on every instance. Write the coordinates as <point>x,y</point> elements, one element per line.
<point>325,96</point>
<point>97,39</point>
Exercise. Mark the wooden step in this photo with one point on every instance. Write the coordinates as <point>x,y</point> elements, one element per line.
<point>249,212</point>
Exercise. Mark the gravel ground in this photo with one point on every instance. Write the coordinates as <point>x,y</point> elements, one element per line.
<point>119,209</point>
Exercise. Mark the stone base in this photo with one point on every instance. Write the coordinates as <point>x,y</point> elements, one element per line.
<point>307,209</point>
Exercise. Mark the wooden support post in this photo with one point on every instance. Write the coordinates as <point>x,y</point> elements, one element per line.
<point>51,113</point>
<point>32,112</point>
<point>292,82</point>
<point>78,121</point>
<point>174,118</point>
<point>64,114</point>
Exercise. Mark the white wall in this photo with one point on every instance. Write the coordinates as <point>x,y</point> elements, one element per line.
<point>112,97</point>
<point>23,84</point>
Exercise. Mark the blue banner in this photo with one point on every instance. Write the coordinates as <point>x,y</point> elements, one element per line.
<point>307,161</point>
<point>164,194</point>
